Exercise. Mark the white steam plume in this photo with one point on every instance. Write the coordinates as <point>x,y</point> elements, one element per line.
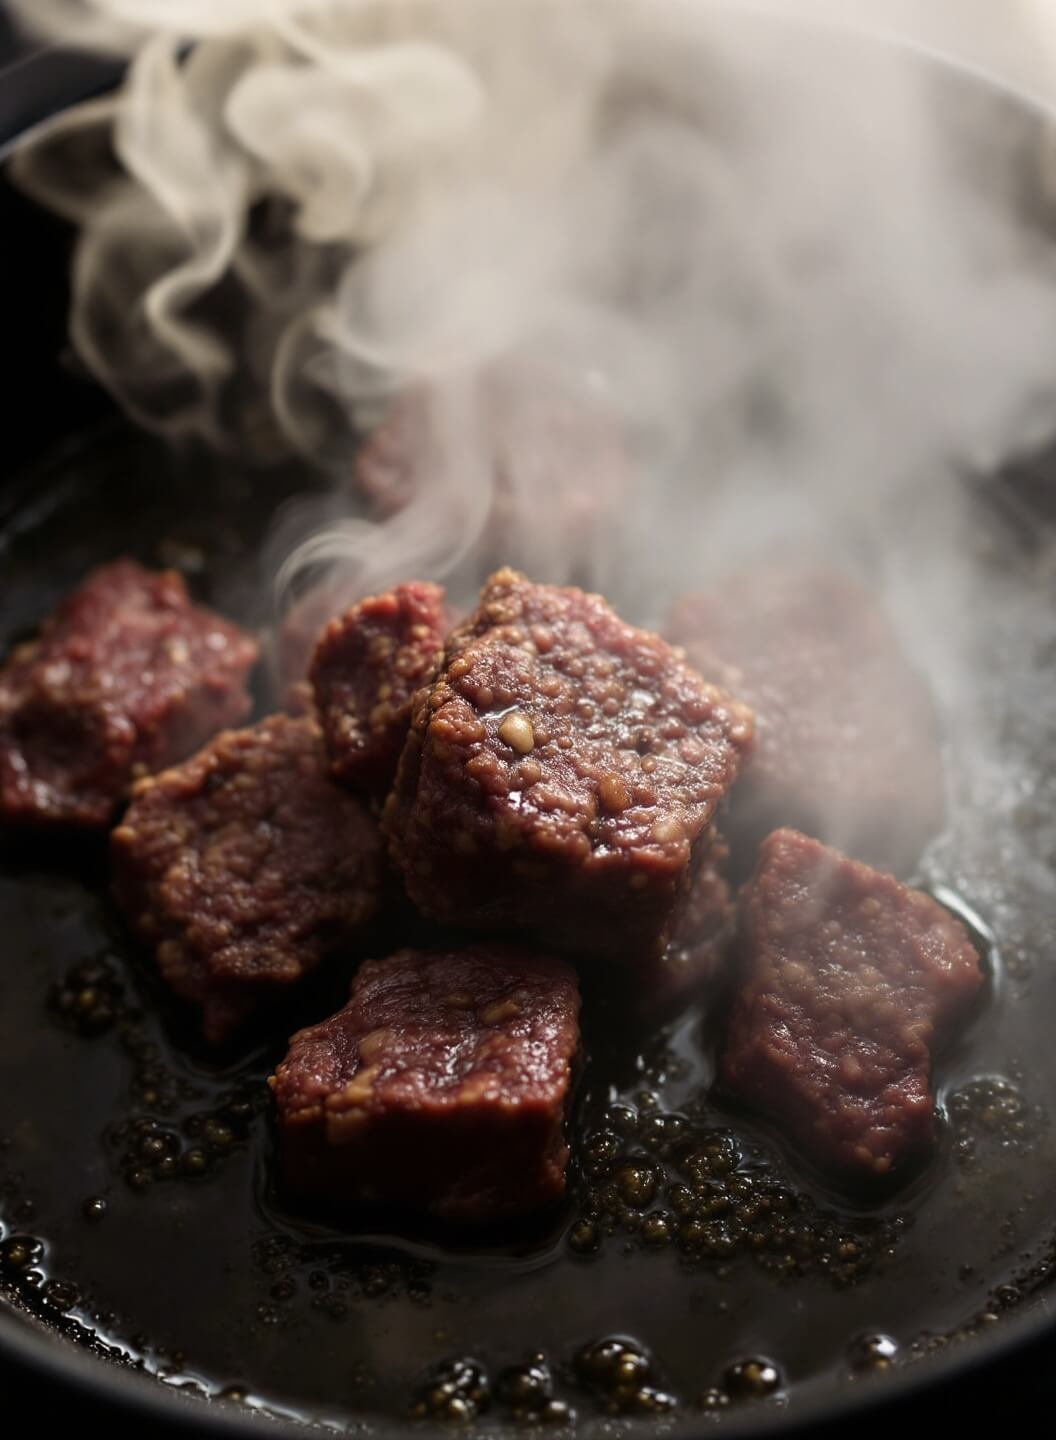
<point>772,250</point>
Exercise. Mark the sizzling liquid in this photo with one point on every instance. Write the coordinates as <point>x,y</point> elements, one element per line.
<point>143,1169</point>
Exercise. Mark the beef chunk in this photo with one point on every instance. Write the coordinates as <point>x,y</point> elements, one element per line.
<point>440,1087</point>
<point>656,989</point>
<point>699,937</point>
<point>553,450</point>
<point>848,981</point>
<point>125,677</point>
<point>846,745</point>
<point>367,666</point>
<point>561,775</point>
<point>244,867</point>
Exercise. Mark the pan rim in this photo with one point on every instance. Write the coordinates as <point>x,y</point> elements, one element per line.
<point>30,1342</point>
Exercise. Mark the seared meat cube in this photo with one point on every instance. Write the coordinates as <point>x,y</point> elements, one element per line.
<point>699,936</point>
<point>561,775</point>
<point>656,989</point>
<point>367,666</point>
<point>245,867</point>
<point>125,677</point>
<point>848,983</point>
<point>440,1087</point>
<point>553,451</point>
<point>846,746</point>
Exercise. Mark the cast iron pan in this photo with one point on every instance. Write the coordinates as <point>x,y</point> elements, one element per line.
<point>195,1299</point>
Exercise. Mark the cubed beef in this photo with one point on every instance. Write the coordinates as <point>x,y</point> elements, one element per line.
<point>561,775</point>
<point>125,677</point>
<point>440,1087</point>
<point>846,745</point>
<point>699,937</point>
<point>847,983</point>
<point>553,450</point>
<point>367,666</point>
<point>245,867</point>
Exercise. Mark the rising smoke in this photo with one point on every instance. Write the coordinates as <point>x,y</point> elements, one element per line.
<point>794,267</point>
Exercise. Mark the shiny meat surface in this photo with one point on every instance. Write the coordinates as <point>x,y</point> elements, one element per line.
<point>367,666</point>
<point>125,677</point>
<point>440,1087</point>
<point>562,774</point>
<point>848,982</point>
<point>846,737</point>
<point>245,867</point>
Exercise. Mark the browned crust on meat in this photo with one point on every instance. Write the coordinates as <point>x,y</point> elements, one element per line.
<point>126,676</point>
<point>442,1086</point>
<point>365,670</point>
<point>562,774</point>
<point>244,867</point>
<point>849,982</point>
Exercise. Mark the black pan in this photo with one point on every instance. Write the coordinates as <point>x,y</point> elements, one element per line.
<point>204,1286</point>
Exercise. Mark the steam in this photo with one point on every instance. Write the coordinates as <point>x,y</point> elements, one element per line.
<point>798,270</point>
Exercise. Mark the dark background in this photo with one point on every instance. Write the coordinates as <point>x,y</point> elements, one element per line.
<point>46,400</point>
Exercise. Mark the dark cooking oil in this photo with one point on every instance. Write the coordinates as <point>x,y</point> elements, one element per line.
<point>138,1202</point>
